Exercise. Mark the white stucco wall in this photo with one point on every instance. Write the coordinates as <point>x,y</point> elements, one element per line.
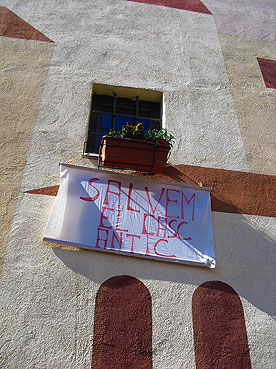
<point>49,293</point>
<point>246,18</point>
<point>144,46</point>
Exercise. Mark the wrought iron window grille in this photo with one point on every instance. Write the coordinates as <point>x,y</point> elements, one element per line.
<point>112,112</point>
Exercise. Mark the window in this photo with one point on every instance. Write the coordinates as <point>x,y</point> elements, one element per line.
<point>112,107</point>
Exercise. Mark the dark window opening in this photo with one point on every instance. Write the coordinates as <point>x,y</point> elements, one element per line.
<point>113,112</point>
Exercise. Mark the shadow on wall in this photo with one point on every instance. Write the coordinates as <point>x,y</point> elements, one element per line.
<point>245,259</point>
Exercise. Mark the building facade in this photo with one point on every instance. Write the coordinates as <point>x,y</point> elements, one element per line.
<point>211,65</point>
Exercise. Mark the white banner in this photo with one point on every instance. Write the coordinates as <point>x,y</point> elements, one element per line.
<point>132,215</point>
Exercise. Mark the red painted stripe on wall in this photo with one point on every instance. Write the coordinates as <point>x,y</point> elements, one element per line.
<point>50,191</point>
<point>191,5</point>
<point>220,336</point>
<point>13,26</point>
<point>232,191</point>
<point>122,325</point>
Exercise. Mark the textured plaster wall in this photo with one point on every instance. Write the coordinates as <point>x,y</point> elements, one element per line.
<point>251,19</point>
<point>255,104</point>
<point>121,43</point>
<point>48,294</point>
<point>24,67</point>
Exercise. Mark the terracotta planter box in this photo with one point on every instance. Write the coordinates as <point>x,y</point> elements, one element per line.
<point>134,154</point>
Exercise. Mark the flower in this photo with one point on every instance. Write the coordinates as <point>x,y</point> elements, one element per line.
<point>139,128</point>
<point>127,130</point>
<point>138,132</point>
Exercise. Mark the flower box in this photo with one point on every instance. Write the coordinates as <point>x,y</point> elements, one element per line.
<point>134,154</point>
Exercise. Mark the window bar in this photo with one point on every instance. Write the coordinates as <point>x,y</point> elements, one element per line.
<point>137,110</point>
<point>84,150</point>
<point>126,115</point>
<point>114,110</point>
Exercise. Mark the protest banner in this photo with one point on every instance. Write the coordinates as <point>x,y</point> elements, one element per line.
<point>132,215</point>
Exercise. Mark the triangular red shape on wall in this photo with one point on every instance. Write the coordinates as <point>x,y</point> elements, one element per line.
<point>268,69</point>
<point>50,191</point>
<point>13,26</point>
<point>192,5</point>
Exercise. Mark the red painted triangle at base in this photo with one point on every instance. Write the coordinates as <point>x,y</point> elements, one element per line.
<point>191,5</point>
<point>13,26</point>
